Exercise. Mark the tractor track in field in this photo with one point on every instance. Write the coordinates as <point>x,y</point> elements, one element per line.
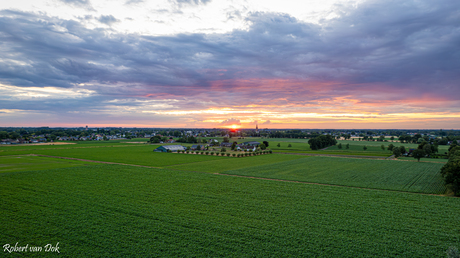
<point>94,161</point>
<point>223,174</point>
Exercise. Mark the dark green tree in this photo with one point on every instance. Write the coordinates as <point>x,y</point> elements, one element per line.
<point>418,154</point>
<point>397,152</point>
<point>402,149</point>
<point>390,147</point>
<point>451,173</point>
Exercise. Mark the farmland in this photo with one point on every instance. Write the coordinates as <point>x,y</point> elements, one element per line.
<point>185,209</point>
<point>129,154</point>
<point>117,210</point>
<point>10,164</point>
<point>378,174</point>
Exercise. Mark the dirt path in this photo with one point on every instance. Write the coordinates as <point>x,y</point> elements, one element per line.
<point>37,144</point>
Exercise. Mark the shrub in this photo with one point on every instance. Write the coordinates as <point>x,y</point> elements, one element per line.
<point>228,154</point>
<point>207,153</point>
<point>271,151</point>
<point>202,152</point>
<point>234,155</point>
<point>212,153</point>
<point>187,152</point>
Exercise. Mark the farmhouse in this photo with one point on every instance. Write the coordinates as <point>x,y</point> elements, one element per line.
<point>252,143</point>
<point>172,148</point>
<point>226,144</point>
<point>194,147</point>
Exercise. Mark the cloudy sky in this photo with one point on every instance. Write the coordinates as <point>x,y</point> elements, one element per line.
<point>210,64</point>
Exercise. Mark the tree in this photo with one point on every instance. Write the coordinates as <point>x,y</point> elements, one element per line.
<point>451,173</point>
<point>418,154</point>
<point>382,146</point>
<point>339,146</point>
<point>402,149</point>
<point>289,145</point>
<point>233,146</point>
<point>397,152</point>
<point>226,139</point>
<point>279,145</point>
<point>427,149</point>
<point>266,143</point>
<point>347,146</point>
<point>390,147</point>
<point>262,146</point>
<point>198,147</point>
<point>155,139</point>
<point>223,149</point>
<point>364,148</point>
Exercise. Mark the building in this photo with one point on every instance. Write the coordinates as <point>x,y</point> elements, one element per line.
<point>194,147</point>
<point>172,148</point>
<point>252,143</point>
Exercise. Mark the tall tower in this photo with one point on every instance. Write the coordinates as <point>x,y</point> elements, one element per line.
<point>257,128</point>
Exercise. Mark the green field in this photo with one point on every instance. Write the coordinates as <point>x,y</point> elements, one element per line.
<point>112,210</point>
<point>214,166</point>
<point>129,154</point>
<point>377,174</point>
<point>25,163</point>
<point>184,209</point>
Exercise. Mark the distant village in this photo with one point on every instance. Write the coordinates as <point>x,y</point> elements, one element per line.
<point>14,135</point>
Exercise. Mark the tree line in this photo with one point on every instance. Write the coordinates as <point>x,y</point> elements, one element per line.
<point>321,142</point>
<point>451,170</point>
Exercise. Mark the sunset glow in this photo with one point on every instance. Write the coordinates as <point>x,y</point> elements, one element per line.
<point>208,64</point>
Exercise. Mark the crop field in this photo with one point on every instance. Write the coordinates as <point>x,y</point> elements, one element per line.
<point>214,166</point>
<point>376,174</point>
<point>25,149</point>
<point>10,164</point>
<point>131,154</point>
<point>359,148</point>
<point>112,210</point>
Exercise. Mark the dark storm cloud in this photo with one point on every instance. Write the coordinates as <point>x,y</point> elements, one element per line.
<point>380,50</point>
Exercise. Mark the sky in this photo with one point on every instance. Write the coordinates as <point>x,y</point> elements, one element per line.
<point>316,64</point>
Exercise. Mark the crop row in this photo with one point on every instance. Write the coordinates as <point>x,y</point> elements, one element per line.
<point>378,174</point>
<point>114,210</point>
